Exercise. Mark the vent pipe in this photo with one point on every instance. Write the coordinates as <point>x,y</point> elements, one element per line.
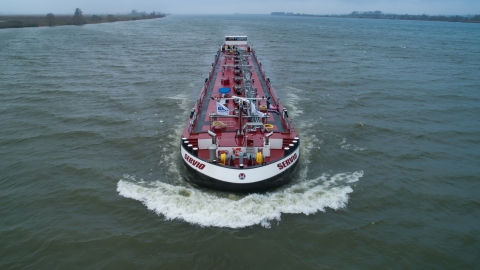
<point>214,136</point>
<point>267,138</point>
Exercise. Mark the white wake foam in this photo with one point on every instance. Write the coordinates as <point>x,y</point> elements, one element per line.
<point>183,102</point>
<point>294,101</point>
<point>208,208</point>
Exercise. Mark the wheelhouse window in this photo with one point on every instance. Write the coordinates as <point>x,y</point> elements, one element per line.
<point>236,40</point>
<point>239,38</point>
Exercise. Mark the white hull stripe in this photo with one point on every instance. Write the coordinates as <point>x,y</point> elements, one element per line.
<point>235,175</point>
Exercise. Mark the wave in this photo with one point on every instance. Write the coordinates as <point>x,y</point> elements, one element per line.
<point>294,100</point>
<point>220,209</point>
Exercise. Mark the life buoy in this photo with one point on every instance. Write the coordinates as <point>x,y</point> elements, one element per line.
<point>269,126</point>
<point>236,151</point>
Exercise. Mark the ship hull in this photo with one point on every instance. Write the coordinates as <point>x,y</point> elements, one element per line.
<point>256,179</point>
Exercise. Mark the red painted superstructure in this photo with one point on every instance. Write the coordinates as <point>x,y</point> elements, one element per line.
<point>256,130</point>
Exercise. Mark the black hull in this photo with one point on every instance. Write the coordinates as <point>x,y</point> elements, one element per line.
<point>203,180</point>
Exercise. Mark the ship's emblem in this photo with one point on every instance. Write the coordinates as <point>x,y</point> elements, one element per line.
<point>241,176</point>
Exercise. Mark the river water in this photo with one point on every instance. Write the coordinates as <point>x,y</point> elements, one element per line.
<point>388,113</point>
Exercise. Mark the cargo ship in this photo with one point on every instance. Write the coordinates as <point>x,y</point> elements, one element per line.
<point>239,136</point>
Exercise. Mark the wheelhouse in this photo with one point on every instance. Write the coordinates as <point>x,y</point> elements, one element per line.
<point>235,40</point>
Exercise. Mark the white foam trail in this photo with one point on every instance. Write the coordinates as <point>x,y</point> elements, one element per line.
<point>208,208</point>
<point>294,100</point>
<point>170,150</point>
<point>183,102</point>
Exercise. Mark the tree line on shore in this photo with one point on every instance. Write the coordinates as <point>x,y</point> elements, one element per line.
<point>423,17</point>
<point>380,15</point>
<point>77,19</point>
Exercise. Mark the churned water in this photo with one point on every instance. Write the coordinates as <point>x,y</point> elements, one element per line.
<point>388,113</point>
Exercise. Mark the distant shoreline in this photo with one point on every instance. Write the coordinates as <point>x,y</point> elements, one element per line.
<point>380,15</point>
<point>23,21</point>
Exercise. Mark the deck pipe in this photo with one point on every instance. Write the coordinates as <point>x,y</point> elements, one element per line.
<point>286,151</point>
<point>214,136</point>
<point>267,138</point>
<point>212,149</point>
<point>240,116</point>
<point>195,152</point>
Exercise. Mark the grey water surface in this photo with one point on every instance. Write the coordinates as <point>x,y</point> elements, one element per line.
<point>389,117</point>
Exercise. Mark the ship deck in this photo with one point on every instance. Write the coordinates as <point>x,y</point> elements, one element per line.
<point>222,75</point>
<point>203,121</point>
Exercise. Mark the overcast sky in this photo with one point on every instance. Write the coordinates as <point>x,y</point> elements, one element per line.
<point>430,7</point>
